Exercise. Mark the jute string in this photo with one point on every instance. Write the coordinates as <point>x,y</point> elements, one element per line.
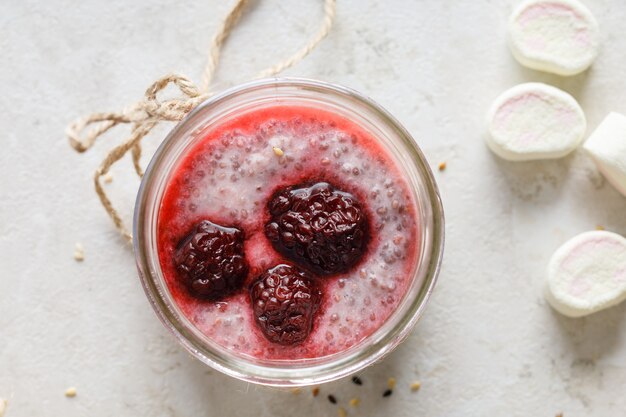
<point>150,111</point>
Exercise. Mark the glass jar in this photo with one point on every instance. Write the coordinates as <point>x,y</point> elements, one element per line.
<point>369,116</point>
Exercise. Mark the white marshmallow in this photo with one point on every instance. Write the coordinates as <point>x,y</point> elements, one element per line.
<point>607,147</point>
<point>557,36</point>
<point>587,274</point>
<point>535,121</point>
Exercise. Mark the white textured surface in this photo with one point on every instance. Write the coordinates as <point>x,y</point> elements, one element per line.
<point>488,343</point>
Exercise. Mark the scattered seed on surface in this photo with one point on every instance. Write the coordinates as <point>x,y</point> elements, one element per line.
<point>391,383</point>
<point>332,399</point>
<point>355,402</point>
<point>415,386</point>
<point>442,166</point>
<point>342,412</point>
<point>296,391</point>
<point>357,380</point>
<point>79,252</point>
<point>108,178</point>
<point>278,151</point>
<point>70,392</point>
<point>315,391</point>
<point>387,393</point>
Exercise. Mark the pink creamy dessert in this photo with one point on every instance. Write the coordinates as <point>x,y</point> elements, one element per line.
<point>233,188</point>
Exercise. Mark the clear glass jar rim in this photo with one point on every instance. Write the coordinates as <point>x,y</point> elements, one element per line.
<point>272,375</point>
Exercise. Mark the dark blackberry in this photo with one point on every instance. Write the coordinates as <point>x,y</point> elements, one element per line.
<point>284,301</point>
<point>318,227</point>
<point>210,260</point>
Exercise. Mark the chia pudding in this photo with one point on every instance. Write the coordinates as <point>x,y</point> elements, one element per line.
<point>250,202</point>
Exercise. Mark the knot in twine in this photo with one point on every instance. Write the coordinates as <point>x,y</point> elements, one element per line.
<point>150,111</point>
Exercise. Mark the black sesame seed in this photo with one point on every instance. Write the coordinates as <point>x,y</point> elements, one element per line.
<point>357,380</point>
<point>332,399</point>
<point>387,393</point>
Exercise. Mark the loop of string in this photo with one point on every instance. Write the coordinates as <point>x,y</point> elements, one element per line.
<point>150,111</point>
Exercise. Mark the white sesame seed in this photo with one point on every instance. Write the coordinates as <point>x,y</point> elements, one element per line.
<point>79,252</point>
<point>3,406</point>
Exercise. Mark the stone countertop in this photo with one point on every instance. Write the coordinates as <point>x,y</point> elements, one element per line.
<point>487,345</point>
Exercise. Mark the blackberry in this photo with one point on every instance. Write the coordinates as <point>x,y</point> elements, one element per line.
<point>210,260</point>
<point>318,227</point>
<point>284,301</point>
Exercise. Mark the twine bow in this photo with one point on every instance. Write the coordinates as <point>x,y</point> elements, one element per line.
<point>150,111</point>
